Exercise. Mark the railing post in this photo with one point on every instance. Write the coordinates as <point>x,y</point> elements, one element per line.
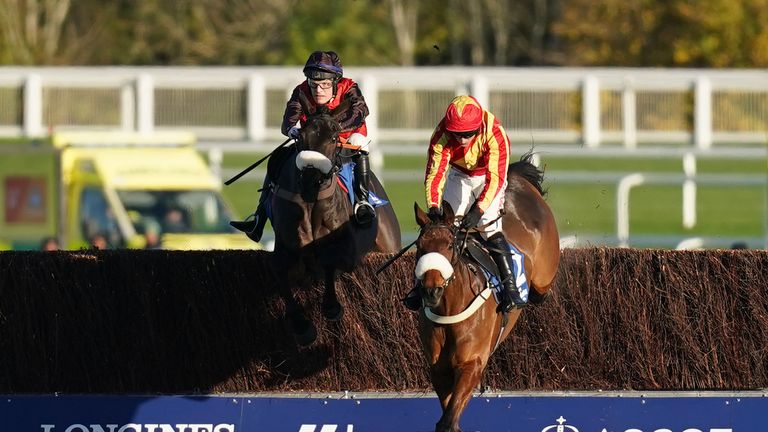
<point>33,106</point>
<point>370,87</point>
<point>622,205</point>
<point>128,107</point>
<point>256,108</point>
<point>629,114</point>
<point>215,158</point>
<point>689,191</point>
<point>145,103</point>
<point>591,111</point>
<point>480,90</point>
<point>702,119</point>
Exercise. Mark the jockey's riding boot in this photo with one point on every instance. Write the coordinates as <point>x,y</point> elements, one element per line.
<point>412,301</point>
<point>364,212</point>
<point>253,228</point>
<point>501,255</point>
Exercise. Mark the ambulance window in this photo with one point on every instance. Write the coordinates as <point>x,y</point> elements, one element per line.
<point>96,218</point>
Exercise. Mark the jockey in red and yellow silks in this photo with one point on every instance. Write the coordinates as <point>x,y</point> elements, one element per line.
<point>467,166</point>
<point>480,159</point>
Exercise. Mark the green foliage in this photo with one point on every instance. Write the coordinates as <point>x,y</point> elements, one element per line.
<point>715,33</point>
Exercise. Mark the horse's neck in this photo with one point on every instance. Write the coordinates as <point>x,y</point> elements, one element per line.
<point>330,198</point>
<point>462,290</point>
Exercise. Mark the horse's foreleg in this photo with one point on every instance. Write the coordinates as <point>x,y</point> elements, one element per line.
<point>302,328</point>
<point>331,308</point>
<point>466,378</point>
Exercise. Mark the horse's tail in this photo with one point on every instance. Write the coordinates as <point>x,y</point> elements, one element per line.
<point>528,171</point>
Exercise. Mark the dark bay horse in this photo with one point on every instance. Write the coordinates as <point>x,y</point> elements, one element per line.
<point>459,328</point>
<point>315,235</point>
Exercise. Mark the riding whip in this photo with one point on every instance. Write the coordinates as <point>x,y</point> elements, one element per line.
<point>397,255</point>
<point>255,164</point>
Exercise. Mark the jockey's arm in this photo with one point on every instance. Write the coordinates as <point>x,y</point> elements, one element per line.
<point>353,117</point>
<point>292,112</point>
<point>497,160</point>
<point>438,159</point>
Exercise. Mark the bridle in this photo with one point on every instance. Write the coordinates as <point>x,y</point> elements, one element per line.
<point>323,181</point>
<point>457,245</point>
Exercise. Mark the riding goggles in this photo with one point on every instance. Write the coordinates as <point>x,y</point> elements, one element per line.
<point>324,84</point>
<point>467,134</point>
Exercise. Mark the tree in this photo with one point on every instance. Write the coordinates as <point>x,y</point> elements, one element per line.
<point>716,33</point>
<point>32,30</point>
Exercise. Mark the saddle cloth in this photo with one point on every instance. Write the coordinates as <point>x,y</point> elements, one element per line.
<point>486,264</point>
<point>347,176</point>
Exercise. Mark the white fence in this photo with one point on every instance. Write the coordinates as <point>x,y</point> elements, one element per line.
<point>590,106</point>
<point>564,111</point>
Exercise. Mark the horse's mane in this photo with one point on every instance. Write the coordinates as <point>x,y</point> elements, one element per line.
<point>528,171</point>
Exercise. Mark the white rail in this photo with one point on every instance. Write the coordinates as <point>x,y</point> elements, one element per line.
<point>627,105</point>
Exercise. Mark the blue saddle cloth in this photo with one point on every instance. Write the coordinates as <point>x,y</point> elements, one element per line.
<point>519,274</point>
<point>347,176</point>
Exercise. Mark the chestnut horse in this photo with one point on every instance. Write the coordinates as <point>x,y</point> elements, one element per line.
<point>459,328</point>
<point>315,236</point>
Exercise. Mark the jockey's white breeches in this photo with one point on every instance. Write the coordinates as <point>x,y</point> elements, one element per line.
<point>462,190</point>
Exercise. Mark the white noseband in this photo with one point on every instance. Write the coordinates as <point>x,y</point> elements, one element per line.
<point>313,159</point>
<point>434,261</point>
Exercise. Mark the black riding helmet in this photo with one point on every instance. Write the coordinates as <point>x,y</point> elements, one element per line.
<point>323,65</point>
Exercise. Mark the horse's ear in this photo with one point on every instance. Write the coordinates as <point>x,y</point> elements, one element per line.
<point>421,217</point>
<point>448,213</point>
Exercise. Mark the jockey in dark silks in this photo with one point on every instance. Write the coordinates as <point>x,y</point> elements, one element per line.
<point>325,86</point>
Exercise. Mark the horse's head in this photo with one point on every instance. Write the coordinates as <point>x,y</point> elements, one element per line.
<point>436,254</point>
<point>318,148</point>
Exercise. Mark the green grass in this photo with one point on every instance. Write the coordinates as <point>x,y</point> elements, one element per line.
<point>590,208</point>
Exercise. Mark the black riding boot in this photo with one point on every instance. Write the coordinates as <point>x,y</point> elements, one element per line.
<point>254,228</point>
<point>510,298</point>
<point>364,212</point>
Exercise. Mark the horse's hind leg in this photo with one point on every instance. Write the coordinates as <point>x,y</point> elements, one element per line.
<point>535,295</point>
<point>331,308</point>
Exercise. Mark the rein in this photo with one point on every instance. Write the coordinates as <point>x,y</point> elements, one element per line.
<point>478,301</point>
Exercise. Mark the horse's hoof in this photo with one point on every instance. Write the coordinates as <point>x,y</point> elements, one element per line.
<point>333,312</point>
<point>303,330</point>
<point>307,337</point>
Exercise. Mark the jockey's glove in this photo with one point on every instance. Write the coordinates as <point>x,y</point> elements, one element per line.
<point>471,219</point>
<point>435,214</point>
<point>294,132</point>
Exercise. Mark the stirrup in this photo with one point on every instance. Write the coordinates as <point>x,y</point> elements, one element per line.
<point>364,213</point>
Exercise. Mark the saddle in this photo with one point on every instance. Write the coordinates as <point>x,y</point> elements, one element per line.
<point>476,251</point>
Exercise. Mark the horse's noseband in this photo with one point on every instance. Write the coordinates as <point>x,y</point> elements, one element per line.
<point>312,159</point>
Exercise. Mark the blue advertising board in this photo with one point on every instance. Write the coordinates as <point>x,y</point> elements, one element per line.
<point>356,413</point>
